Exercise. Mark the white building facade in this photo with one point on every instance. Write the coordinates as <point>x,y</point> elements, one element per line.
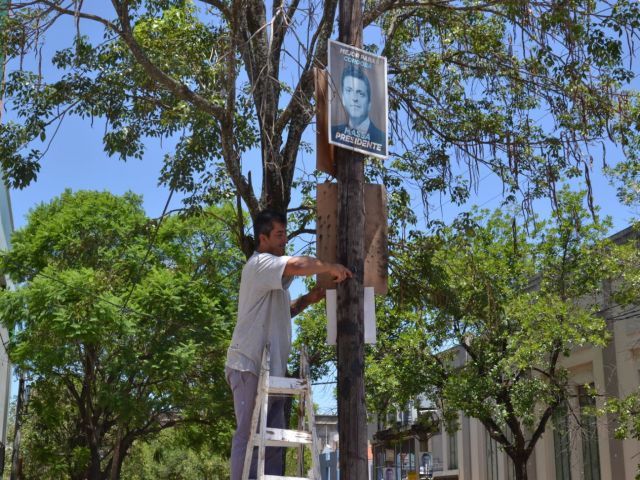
<point>6,229</point>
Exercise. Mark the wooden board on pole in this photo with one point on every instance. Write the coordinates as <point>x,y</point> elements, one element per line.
<point>325,161</point>
<point>375,242</point>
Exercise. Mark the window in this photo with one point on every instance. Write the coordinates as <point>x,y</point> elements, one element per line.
<point>492,457</point>
<point>453,451</point>
<point>379,461</point>
<point>589,430</point>
<point>562,447</point>
<point>406,457</point>
<point>405,417</point>
<point>438,442</point>
<point>511,468</point>
<point>395,461</point>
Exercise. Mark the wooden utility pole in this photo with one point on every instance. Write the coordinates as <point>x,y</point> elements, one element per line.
<point>352,421</point>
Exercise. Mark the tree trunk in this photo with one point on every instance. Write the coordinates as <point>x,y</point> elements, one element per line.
<point>121,449</point>
<point>116,462</point>
<point>520,467</point>
<point>95,472</point>
<point>16,463</point>
<point>2,454</point>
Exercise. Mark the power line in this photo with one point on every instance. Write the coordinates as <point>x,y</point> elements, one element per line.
<point>123,308</point>
<point>149,247</point>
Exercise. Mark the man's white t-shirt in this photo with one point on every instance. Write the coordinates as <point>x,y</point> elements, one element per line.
<point>263,316</point>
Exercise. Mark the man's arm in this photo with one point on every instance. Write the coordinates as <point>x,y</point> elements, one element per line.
<point>304,266</point>
<point>314,296</point>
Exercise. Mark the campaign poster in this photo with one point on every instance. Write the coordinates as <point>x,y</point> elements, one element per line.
<point>358,117</point>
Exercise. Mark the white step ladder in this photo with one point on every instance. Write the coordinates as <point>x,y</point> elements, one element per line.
<point>277,437</point>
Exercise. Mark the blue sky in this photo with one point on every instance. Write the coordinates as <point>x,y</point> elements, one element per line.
<point>76,160</point>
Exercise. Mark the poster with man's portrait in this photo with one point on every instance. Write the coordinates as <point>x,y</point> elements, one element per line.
<point>357,100</point>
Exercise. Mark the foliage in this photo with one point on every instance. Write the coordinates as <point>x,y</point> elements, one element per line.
<point>170,456</point>
<point>525,89</point>
<point>291,461</point>
<point>627,411</point>
<point>625,175</point>
<point>627,287</point>
<point>312,334</point>
<point>123,324</point>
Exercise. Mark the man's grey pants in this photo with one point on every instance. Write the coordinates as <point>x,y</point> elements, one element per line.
<point>244,386</point>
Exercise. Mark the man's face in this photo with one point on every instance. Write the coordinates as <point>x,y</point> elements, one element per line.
<point>276,241</point>
<point>355,98</point>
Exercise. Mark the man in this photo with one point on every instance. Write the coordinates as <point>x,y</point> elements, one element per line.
<point>264,316</point>
<point>360,131</point>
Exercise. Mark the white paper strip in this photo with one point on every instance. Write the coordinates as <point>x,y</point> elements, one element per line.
<point>332,316</point>
<point>369,316</point>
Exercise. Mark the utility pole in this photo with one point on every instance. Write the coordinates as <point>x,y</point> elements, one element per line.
<point>352,421</point>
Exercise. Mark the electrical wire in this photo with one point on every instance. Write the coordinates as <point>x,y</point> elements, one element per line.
<point>152,241</point>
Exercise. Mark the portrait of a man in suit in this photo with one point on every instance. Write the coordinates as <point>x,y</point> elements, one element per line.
<point>356,100</point>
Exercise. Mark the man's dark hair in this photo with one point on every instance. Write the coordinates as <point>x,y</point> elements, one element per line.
<point>356,72</point>
<point>263,223</point>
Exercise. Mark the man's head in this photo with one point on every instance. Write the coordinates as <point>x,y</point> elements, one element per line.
<point>356,94</point>
<point>270,232</point>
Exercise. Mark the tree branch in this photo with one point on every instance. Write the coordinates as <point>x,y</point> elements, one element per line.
<point>230,155</point>
<point>73,13</point>
<point>179,89</point>
<point>385,6</point>
<point>224,9</point>
<point>301,231</point>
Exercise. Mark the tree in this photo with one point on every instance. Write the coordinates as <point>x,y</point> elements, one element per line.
<point>170,456</point>
<point>123,324</point>
<point>523,89</point>
<point>515,299</point>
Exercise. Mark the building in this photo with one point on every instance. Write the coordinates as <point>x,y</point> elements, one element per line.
<point>6,229</point>
<point>327,431</point>
<point>576,444</point>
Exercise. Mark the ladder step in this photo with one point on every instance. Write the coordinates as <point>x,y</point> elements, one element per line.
<point>279,437</point>
<point>285,385</point>
<point>262,436</point>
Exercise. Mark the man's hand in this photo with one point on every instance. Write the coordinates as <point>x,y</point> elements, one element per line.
<point>315,295</point>
<point>339,273</point>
